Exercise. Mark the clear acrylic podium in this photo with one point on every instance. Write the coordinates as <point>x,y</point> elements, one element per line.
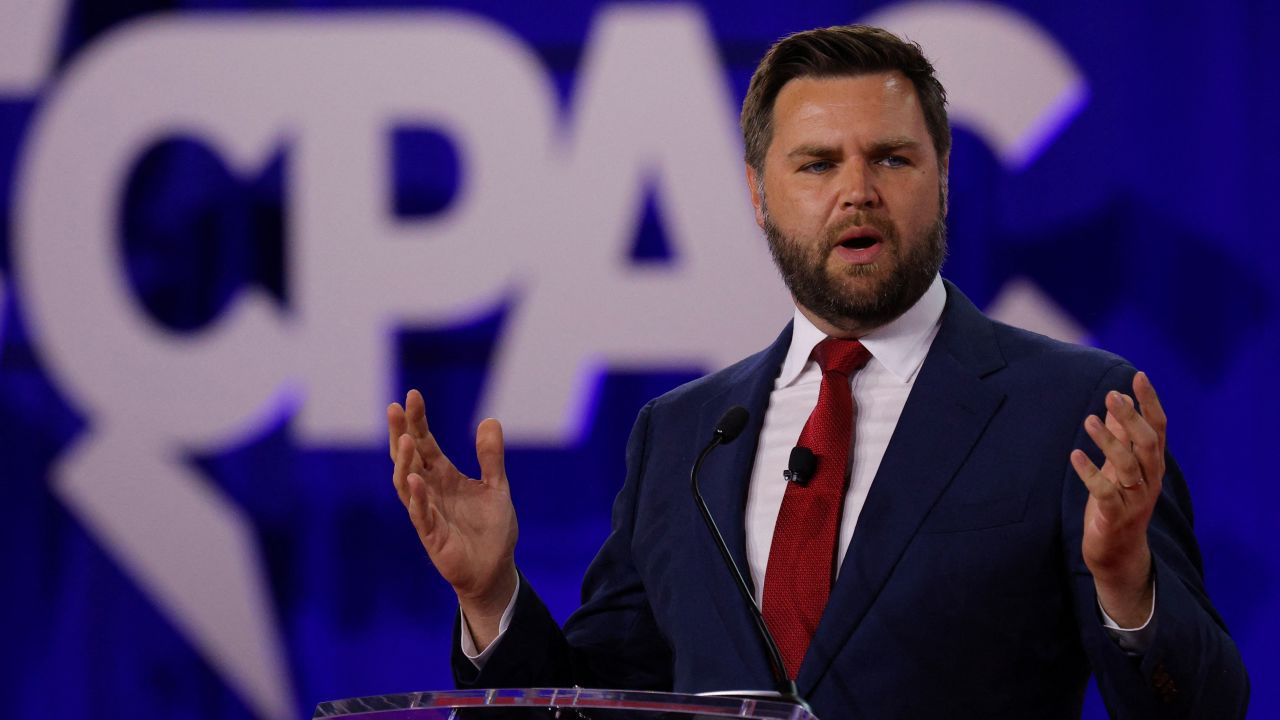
<point>558,703</point>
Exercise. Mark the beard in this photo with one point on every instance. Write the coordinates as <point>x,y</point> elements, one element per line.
<point>881,297</point>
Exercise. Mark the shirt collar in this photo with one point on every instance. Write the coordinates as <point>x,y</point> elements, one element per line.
<point>900,346</point>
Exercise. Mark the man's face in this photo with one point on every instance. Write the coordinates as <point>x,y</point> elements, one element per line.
<point>855,199</point>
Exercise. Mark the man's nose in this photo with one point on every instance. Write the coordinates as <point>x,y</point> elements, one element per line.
<point>858,189</point>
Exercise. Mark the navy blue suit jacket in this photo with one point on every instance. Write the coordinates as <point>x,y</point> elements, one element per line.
<point>963,592</point>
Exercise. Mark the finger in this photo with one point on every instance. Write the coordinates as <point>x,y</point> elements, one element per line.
<point>1152,410</point>
<point>1116,427</point>
<point>1143,440</point>
<point>421,513</point>
<point>406,462</point>
<point>395,427</point>
<point>415,409</point>
<point>1099,487</point>
<point>1126,471</point>
<point>416,421</point>
<point>489,451</point>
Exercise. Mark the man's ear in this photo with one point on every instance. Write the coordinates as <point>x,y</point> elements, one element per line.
<point>754,184</point>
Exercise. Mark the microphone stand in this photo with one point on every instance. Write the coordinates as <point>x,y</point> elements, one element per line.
<point>726,431</point>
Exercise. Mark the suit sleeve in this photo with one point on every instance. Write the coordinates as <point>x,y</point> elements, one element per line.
<point>612,641</point>
<point>1192,668</point>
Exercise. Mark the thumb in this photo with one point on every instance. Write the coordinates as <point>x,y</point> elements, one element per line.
<point>489,451</point>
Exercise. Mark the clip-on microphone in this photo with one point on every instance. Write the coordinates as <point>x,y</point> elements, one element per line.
<point>801,466</point>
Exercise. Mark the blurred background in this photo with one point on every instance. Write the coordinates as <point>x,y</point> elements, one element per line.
<point>231,231</point>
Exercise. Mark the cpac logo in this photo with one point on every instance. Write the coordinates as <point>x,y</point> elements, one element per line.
<point>545,215</point>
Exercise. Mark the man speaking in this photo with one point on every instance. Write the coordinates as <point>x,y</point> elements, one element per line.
<point>987,517</point>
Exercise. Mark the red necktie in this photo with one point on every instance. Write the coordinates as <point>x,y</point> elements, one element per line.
<point>802,558</point>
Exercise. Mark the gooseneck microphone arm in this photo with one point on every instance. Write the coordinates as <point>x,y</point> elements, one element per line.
<point>727,430</point>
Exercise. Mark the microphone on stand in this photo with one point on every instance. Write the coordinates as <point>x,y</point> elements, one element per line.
<point>726,431</point>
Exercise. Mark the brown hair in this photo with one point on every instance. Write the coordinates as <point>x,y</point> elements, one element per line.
<point>843,50</point>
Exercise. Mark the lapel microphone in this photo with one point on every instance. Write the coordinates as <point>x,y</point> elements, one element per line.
<point>727,430</point>
<point>801,466</point>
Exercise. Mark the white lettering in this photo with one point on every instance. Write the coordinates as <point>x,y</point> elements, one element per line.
<point>360,273</point>
<point>652,110</point>
<point>29,32</point>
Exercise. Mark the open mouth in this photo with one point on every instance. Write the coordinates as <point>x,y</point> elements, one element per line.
<point>859,243</point>
<point>860,248</point>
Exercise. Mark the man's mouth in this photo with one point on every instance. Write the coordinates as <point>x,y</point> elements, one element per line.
<point>859,246</point>
<point>859,243</point>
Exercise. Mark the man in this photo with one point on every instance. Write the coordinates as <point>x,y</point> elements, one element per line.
<point>991,516</point>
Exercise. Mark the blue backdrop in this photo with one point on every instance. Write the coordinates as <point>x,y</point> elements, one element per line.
<point>1143,216</point>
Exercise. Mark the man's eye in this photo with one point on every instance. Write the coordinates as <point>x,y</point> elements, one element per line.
<point>894,161</point>
<point>820,166</point>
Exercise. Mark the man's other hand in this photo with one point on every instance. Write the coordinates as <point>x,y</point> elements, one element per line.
<point>467,526</point>
<point>1122,496</point>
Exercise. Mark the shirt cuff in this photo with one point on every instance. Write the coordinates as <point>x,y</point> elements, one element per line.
<point>469,644</point>
<point>1134,641</point>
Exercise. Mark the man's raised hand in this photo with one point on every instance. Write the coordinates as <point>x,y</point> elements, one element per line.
<point>468,527</point>
<point>1122,496</point>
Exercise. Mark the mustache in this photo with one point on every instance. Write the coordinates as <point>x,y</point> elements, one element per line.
<point>880,224</point>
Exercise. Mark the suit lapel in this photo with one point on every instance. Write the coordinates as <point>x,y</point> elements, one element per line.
<point>947,411</point>
<point>723,480</point>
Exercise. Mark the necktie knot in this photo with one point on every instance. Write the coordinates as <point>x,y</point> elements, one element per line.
<point>841,356</point>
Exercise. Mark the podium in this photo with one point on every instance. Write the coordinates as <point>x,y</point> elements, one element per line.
<point>559,703</point>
